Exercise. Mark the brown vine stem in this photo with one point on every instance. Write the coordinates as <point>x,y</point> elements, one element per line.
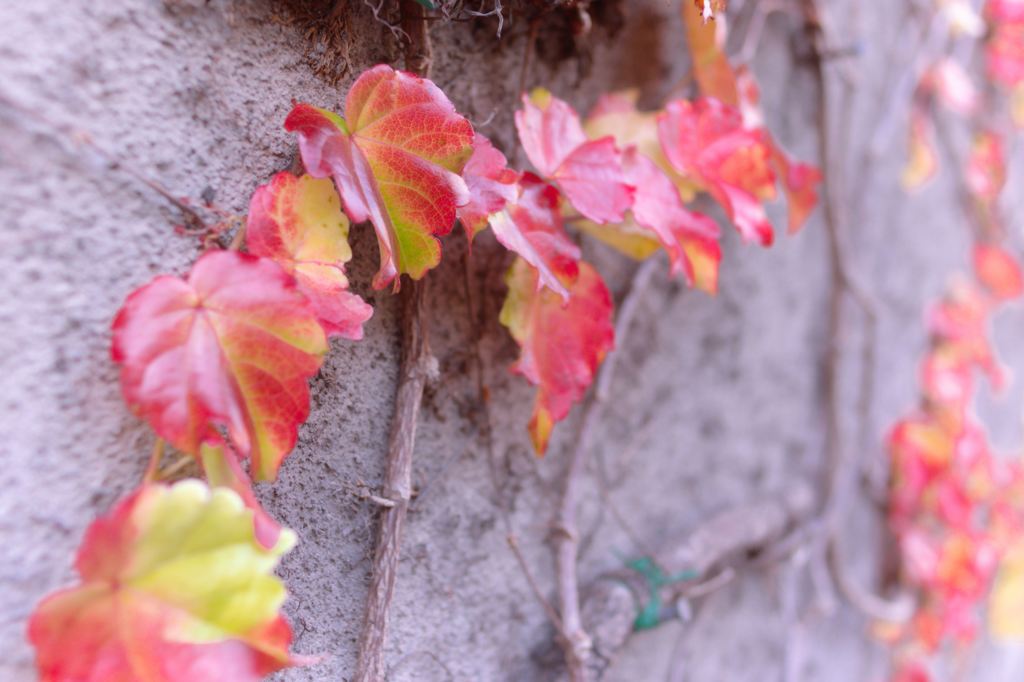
<point>153,468</point>
<point>577,645</point>
<point>836,470</point>
<point>397,485</point>
<point>415,367</point>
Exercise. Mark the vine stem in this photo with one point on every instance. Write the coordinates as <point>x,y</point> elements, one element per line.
<point>397,485</point>
<point>415,367</point>
<point>153,468</point>
<point>577,645</point>
<point>837,472</point>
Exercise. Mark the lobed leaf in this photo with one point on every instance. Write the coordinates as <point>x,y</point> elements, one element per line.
<point>658,216</point>
<point>231,347</point>
<point>173,586</point>
<point>706,141</point>
<point>562,343</point>
<point>998,271</point>
<point>297,222</point>
<point>1006,603</point>
<point>533,228</point>
<point>396,158</point>
<point>492,185</point>
<point>705,41</point>
<point>589,172</point>
<point>923,161</point>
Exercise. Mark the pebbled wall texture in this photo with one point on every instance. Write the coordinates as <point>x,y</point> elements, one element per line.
<point>716,400</point>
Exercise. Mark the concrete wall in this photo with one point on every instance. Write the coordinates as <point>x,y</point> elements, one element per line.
<point>716,400</point>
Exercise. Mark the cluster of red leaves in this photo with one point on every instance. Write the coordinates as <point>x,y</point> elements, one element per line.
<point>952,502</point>
<point>1004,52</point>
<point>947,83</point>
<point>218,362</point>
<point>625,177</point>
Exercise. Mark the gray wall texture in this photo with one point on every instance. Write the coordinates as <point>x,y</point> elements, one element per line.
<point>716,401</point>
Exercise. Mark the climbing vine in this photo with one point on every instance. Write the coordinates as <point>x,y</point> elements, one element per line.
<point>176,581</point>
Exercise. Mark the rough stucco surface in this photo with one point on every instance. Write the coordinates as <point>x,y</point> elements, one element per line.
<point>716,400</point>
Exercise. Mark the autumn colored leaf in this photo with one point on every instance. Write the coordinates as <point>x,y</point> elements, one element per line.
<point>1017,105</point>
<point>998,271</point>
<point>799,180</point>
<point>1004,51</point>
<point>922,163</point>
<point>297,221</point>
<point>491,183</point>
<point>562,343</point>
<point>658,216</point>
<point>533,228</point>
<point>960,324</point>
<point>231,347</point>
<point>396,158</point>
<point>707,9</point>
<point>953,87</point>
<point>705,40</point>
<point>589,172</point>
<point>689,238</point>
<point>1006,603</point>
<point>706,141</point>
<point>986,167</point>
<point>911,672</point>
<point>173,586</point>
<point>962,18</point>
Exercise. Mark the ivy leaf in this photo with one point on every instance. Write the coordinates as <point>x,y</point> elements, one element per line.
<point>737,88</point>
<point>708,8</point>
<point>297,221</point>
<point>658,213</point>
<point>998,271</point>
<point>689,238</point>
<point>173,586</point>
<point>396,158</point>
<point>562,343</point>
<point>533,228</point>
<point>923,161</point>
<point>1006,603</point>
<point>986,167</point>
<point>952,86</point>
<point>1004,51</point>
<point>706,141</point>
<point>230,347</point>
<point>799,180</point>
<point>705,41</point>
<point>491,183</point>
<point>589,172</point>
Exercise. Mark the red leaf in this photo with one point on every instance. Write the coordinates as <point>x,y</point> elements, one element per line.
<point>532,227</point>
<point>298,222</point>
<point>706,141</point>
<point>562,343</point>
<point>711,68</point>
<point>998,271</point>
<point>491,185</point>
<point>1005,50</point>
<point>691,239</point>
<point>923,162</point>
<point>230,347</point>
<point>986,167</point>
<point>589,172</point>
<point>396,159</point>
